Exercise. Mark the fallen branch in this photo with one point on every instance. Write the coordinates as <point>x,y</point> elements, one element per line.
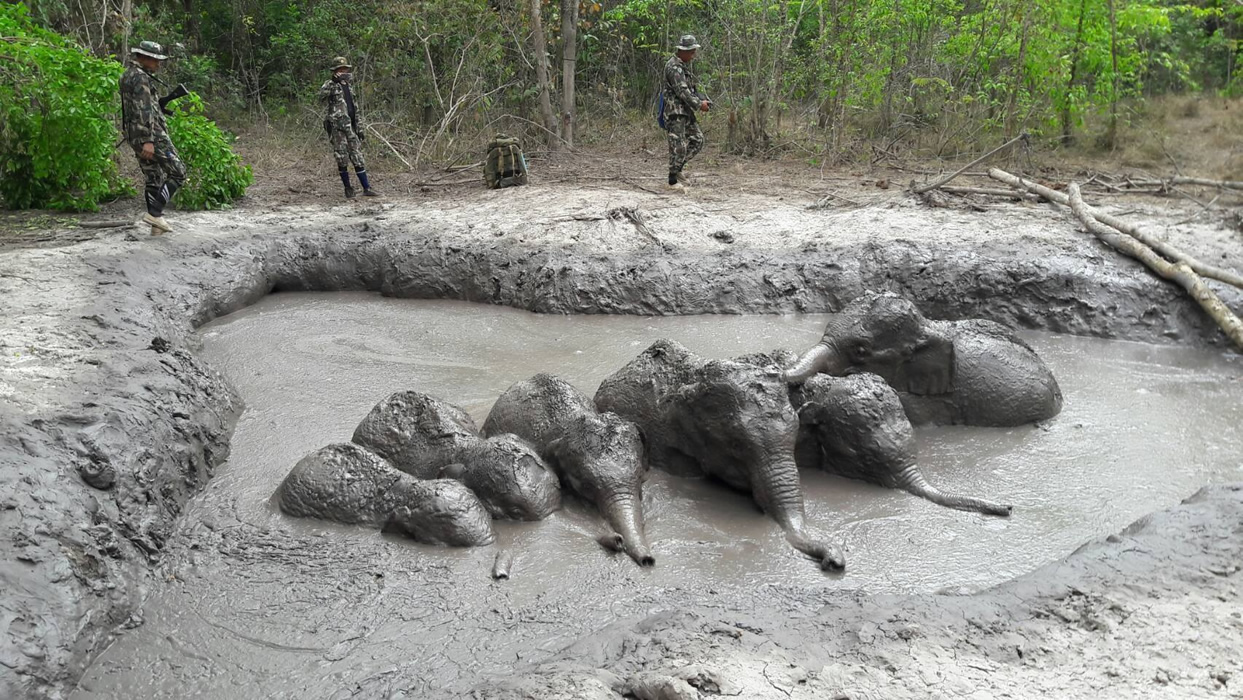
<point>636,219</point>
<point>939,182</point>
<point>446,184</point>
<point>825,201</point>
<point>1178,272</point>
<point>104,224</point>
<point>988,192</point>
<point>1169,251</point>
<point>1182,180</point>
<point>372,129</point>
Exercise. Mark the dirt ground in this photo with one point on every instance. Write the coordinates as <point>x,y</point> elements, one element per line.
<point>111,423</point>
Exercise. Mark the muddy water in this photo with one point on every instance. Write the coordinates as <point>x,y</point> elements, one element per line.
<point>260,605</point>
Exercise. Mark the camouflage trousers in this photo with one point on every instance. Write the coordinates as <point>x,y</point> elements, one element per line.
<point>685,141</point>
<point>346,147</point>
<point>164,174</point>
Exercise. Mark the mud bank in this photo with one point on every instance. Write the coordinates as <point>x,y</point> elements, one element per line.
<point>101,385</point>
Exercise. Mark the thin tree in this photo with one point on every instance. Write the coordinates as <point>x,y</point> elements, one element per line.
<point>540,47</point>
<point>569,56</point>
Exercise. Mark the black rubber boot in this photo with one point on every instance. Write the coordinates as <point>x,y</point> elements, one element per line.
<point>350,192</point>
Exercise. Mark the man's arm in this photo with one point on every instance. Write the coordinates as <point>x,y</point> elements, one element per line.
<point>326,91</point>
<point>676,79</point>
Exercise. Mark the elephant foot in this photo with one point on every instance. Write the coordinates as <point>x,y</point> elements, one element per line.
<point>829,556</point>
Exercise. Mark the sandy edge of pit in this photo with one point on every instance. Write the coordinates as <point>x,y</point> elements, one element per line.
<point>88,390</point>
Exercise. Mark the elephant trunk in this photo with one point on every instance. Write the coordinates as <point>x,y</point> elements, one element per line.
<point>807,365</point>
<point>913,481</point>
<point>624,514</point>
<point>779,493</point>
<point>822,357</point>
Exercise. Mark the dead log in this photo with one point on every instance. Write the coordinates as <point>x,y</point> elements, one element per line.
<point>1169,251</point>
<point>1178,272</point>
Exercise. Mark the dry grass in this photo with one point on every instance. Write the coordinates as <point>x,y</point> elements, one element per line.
<point>1199,136</point>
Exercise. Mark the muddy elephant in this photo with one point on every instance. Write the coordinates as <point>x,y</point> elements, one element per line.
<point>429,438</point>
<point>597,455</point>
<point>856,427</point>
<point>728,420</point>
<point>349,484</point>
<point>970,372</point>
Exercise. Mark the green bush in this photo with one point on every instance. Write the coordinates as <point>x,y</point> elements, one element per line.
<point>57,107</point>
<point>217,175</point>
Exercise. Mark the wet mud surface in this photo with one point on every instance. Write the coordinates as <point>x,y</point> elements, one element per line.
<point>111,421</point>
<point>237,609</point>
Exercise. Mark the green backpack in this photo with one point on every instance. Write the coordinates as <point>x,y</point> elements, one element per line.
<point>504,165</point>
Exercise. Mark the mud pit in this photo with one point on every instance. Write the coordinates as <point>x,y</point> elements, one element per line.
<point>284,607</point>
<point>101,379</point>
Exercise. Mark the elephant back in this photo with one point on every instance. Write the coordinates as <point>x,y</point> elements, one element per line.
<point>999,380</point>
<point>537,410</point>
<point>417,433</point>
<point>344,483</point>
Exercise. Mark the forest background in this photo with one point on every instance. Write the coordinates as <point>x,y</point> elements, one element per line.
<point>830,82</point>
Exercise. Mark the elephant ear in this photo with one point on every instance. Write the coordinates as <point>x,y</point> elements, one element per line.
<point>929,370</point>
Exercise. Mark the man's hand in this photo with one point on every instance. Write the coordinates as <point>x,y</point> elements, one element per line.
<point>148,151</point>
<point>705,106</point>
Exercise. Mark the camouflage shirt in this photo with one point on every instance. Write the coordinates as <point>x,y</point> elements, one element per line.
<point>141,118</point>
<point>681,96</point>
<point>338,108</point>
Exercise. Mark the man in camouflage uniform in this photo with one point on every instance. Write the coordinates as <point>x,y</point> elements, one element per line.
<point>142,121</point>
<point>341,123</point>
<point>682,100</point>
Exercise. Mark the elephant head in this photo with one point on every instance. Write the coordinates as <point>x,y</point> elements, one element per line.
<point>855,426</point>
<point>601,457</point>
<point>347,483</point>
<point>886,335</point>
<point>509,476</point>
<point>736,421</point>
<point>598,455</point>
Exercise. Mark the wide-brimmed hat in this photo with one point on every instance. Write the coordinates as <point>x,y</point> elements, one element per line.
<point>339,62</point>
<point>688,43</point>
<point>150,48</point>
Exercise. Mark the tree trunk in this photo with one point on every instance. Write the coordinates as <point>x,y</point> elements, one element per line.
<point>1067,138</point>
<point>1111,137</point>
<point>540,46</point>
<point>569,56</point>
<point>127,22</point>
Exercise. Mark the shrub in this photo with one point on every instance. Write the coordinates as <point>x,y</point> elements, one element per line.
<point>57,107</point>
<point>217,175</point>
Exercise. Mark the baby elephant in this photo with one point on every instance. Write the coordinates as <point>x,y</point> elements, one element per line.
<point>428,438</point>
<point>599,455</point>
<point>348,484</point>
<point>855,426</point>
<point>728,420</point>
<point>971,372</point>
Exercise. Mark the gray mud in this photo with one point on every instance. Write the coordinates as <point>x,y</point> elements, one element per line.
<point>100,382</point>
<point>310,366</point>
